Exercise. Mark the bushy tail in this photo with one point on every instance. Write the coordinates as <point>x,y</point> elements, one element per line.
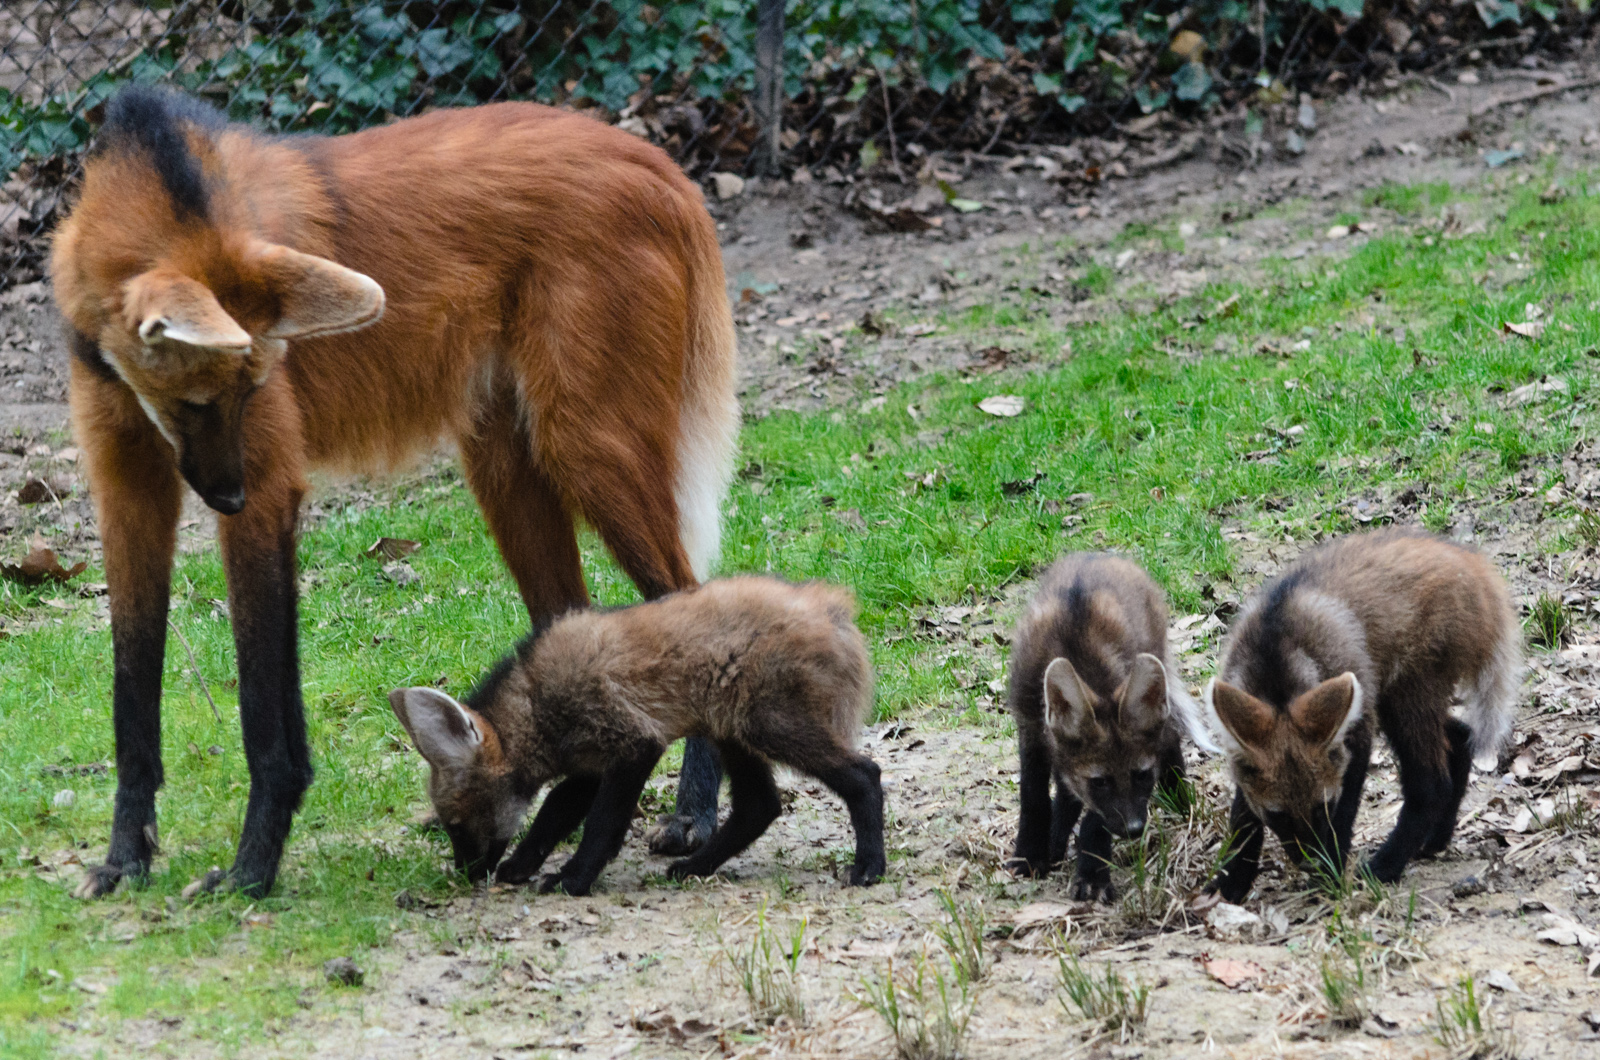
<point>708,420</point>
<point>1190,715</point>
<point>1491,701</point>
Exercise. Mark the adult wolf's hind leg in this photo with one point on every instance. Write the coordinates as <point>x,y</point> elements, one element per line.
<point>137,496</point>
<point>523,507</point>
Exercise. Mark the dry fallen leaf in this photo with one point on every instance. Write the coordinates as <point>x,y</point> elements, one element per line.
<point>1003,405</point>
<point>1532,329</point>
<point>39,566</point>
<point>1233,974</point>
<point>391,548</point>
<point>1040,915</point>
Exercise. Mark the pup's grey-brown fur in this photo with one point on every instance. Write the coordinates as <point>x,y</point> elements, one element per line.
<point>765,670</point>
<point>1390,624</point>
<point>1099,706</point>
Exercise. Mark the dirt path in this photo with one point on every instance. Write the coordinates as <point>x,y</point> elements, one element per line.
<point>644,968</point>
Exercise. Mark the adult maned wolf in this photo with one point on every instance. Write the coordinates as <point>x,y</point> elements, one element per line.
<point>543,290</point>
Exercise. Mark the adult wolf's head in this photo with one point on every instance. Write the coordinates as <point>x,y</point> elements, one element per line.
<point>1109,748</point>
<point>468,780</point>
<point>1290,763</point>
<point>160,272</point>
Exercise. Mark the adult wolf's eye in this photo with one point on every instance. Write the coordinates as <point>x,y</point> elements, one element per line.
<point>1143,776</point>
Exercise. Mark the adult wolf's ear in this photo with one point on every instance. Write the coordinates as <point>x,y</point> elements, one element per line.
<point>1144,698</point>
<point>1326,713</point>
<point>315,296</point>
<point>444,731</point>
<point>1247,720</point>
<point>1068,703</point>
<point>164,305</point>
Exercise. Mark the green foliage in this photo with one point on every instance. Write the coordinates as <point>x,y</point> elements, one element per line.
<point>332,66</point>
<point>1118,1006</point>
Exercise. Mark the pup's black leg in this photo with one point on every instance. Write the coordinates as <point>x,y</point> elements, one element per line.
<point>563,810</point>
<point>754,805</point>
<point>1031,855</point>
<point>1426,789</point>
<point>694,817</point>
<point>856,779</point>
<point>1355,779</point>
<point>1460,765</point>
<point>1094,861</point>
<point>607,823</point>
<point>1238,873</point>
<point>1063,815</point>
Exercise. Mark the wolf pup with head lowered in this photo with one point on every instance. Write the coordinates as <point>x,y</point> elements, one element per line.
<point>541,289</point>
<point>766,671</point>
<point>1388,625</point>
<point>1099,706</point>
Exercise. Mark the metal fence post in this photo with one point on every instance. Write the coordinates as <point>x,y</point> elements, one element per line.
<point>769,85</point>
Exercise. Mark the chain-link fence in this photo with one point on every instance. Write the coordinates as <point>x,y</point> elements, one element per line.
<point>719,83</point>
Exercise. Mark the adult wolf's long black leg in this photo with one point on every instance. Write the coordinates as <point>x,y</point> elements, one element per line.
<point>137,493</point>
<point>258,547</point>
<point>694,817</point>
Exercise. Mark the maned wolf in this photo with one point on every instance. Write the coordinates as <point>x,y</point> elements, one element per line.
<point>543,290</point>
<point>1388,624</point>
<point>1099,706</point>
<point>766,671</point>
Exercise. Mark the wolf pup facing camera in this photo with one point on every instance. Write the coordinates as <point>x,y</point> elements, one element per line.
<point>1386,626</point>
<point>1099,707</point>
<point>766,671</point>
<point>543,290</point>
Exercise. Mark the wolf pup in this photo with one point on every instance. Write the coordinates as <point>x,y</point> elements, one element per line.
<point>1388,625</point>
<point>767,671</point>
<point>543,290</point>
<point>1098,706</point>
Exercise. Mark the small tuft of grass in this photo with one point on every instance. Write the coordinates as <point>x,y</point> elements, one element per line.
<point>768,971</point>
<point>1116,1005</point>
<point>1466,1028</point>
<point>1549,622</point>
<point>962,936</point>
<point>927,1012</point>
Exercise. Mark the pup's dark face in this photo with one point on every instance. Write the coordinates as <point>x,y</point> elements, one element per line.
<point>1107,750</point>
<point>1290,764</point>
<point>468,782</point>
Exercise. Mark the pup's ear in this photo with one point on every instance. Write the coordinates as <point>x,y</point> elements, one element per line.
<point>315,296</point>
<point>164,305</point>
<point>1326,713</point>
<point>1068,702</point>
<point>1244,717</point>
<point>1144,698</point>
<point>445,732</point>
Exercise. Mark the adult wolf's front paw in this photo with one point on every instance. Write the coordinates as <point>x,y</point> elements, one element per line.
<point>100,880</point>
<point>675,835</point>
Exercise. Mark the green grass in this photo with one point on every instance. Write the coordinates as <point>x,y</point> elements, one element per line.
<point>906,505</point>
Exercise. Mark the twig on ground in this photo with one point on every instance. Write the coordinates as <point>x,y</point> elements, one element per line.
<point>1531,94</point>
<point>195,666</point>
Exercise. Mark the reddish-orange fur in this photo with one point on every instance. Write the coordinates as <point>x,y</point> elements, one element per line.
<point>552,301</point>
